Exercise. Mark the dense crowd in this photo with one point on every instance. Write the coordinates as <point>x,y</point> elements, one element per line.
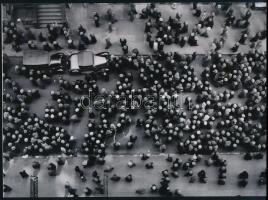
<point>207,124</point>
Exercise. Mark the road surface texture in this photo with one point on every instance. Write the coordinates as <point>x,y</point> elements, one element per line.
<point>142,178</point>
<point>134,31</point>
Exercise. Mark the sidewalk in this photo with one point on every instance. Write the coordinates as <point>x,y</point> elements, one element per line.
<point>54,186</point>
<point>134,31</point>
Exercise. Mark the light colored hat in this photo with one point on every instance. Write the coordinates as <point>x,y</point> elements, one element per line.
<point>173,5</point>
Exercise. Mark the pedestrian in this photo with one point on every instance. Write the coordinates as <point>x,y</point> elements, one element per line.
<point>243,38</point>
<point>96,19</point>
<point>84,38</point>
<point>123,41</point>
<point>81,29</point>
<point>31,45</point>
<point>131,16</point>
<point>46,46</point>
<point>24,174</point>
<point>235,47</point>
<point>108,43</point>
<point>56,45</point>
<point>110,27</point>
<point>7,188</point>
<point>71,44</point>
<point>111,16</point>
<point>81,45</point>
<point>93,39</point>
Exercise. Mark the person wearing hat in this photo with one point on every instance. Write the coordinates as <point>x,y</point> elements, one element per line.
<point>131,15</point>
<point>7,188</point>
<point>151,43</point>
<point>88,191</point>
<point>84,38</point>
<point>156,44</point>
<point>24,174</point>
<point>81,45</point>
<point>96,19</point>
<point>205,32</point>
<point>46,46</point>
<point>149,165</point>
<point>108,43</point>
<point>16,47</point>
<point>153,188</point>
<point>110,27</point>
<point>123,41</point>
<point>262,178</point>
<point>145,156</point>
<point>191,39</point>
<point>243,38</point>
<point>148,26</point>
<point>66,34</point>
<point>71,44</point>
<point>182,41</point>
<point>31,45</point>
<point>81,29</point>
<point>128,178</point>
<point>56,45</point>
<point>131,164</point>
<point>116,145</point>
<point>111,16</point>
<point>133,8</point>
<point>197,12</point>
<point>115,178</point>
<point>202,176</point>
<point>93,39</point>
<point>36,165</point>
<point>51,166</point>
<point>60,161</point>
<point>235,47</point>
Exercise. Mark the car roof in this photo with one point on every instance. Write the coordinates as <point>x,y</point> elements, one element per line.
<point>86,58</point>
<point>35,57</point>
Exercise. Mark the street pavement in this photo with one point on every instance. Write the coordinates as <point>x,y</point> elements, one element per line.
<point>142,178</point>
<point>134,31</point>
<point>79,129</point>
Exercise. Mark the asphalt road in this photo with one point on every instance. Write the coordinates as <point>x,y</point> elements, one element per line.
<point>80,128</point>
<point>133,31</point>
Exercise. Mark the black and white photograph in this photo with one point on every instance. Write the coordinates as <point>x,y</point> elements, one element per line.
<point>142,99</point>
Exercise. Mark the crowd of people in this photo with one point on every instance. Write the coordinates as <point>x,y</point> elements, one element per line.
<point>208,124</point>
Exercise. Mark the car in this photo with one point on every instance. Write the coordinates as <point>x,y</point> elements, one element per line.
<point>87,61</point>
<point>74,62</point>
